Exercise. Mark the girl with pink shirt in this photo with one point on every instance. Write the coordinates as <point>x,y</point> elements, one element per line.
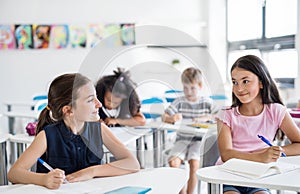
<point>256,109</point>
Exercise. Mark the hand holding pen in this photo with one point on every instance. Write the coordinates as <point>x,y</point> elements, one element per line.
<point>49,167</point>
<point>268,143</point>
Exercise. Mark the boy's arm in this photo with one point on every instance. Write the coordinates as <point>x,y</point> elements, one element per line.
<point>171,118</point>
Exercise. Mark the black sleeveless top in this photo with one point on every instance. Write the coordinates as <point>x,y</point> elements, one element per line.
<point>71,152</point>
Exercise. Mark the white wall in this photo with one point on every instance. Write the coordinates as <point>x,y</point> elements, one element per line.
<point>25,73</point>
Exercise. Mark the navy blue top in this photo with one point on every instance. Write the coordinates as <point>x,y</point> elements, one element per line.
<point>71,152</point>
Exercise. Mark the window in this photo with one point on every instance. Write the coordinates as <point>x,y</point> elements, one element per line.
<point>260,27</point>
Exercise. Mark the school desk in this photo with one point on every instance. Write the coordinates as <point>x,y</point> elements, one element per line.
<point>284,181</point>
<point>160,128</point>
<point>12,115</point>
<point>160,180</point>
<point>13,105</point>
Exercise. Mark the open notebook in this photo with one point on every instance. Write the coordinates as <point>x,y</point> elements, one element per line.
<point>255,170</point>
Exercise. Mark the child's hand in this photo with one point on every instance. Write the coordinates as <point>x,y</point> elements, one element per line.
<point>54,179</point>
<point>271,154</point>
<point>177,117</point>
<point>110,121</point>
<point>80,175</point>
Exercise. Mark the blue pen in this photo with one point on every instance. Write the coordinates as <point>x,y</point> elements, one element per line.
<point>48,167</point>
<point>267,142</point>
<point>45,164</point>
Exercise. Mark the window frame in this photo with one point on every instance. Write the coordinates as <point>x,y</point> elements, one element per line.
<point>264,44</point>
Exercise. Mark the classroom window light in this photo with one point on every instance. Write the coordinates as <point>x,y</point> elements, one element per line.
<point>281,18</point>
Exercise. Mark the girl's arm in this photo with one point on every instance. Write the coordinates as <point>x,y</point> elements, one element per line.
<point>290,129</point>
<point>136,120</point>
<point>20,171</point>
<point>125,162</point>
<point>270,154</point>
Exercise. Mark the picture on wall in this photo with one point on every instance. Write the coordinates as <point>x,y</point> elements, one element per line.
<point>95,34</point>
<point>23,35</point>
<point>77,36</point>
<point>41,36</point>
<point>37,36</point>
<point>128,34</point>
<point>7,38</point>
<point>112,35</point>
<point>59,36</point>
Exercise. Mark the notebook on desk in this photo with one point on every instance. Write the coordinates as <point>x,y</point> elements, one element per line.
<point>256,170</point>
<point>129,190</point>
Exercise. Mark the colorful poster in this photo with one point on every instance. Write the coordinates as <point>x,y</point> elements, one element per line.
<point>59,36</point>
<point>127,34</point>
<point>95,34</point>
<point>7,38</point>
<point>23,35</point>
<point>77,36</point>
<point>41,36</point>
<point>112,35</point>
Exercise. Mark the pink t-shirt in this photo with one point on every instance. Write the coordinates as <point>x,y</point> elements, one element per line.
<point>244,129</point>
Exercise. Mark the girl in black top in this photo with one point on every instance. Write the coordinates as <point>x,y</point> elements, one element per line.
<point>70,139</point>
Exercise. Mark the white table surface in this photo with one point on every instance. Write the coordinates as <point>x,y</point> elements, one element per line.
<point>4,137</point>
<point>21,138</point>
<point>179,126</point>
<point>19,103</point>
<point>160,180</point>
<point>22,114</point>
<point>285,181</point>
<point>128,134</point>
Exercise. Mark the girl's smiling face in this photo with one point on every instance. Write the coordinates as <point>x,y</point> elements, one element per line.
<point>87,104</point>
<point>246,85</point>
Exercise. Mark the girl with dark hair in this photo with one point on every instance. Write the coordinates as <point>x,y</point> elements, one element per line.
<point>70,139</point>
<point>120,102</point>
<point>257,109</point>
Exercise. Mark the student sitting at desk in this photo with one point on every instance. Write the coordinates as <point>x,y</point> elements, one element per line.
<point>256,109</point>
<point>190,106</point>
<point>70,139</point>
<point>120,102</point>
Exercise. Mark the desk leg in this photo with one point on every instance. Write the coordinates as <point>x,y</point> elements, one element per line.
<point>107,157</point>
<point>156,148</point>
<point>140,151</point>
<point>20,149</point>
<point>214,188</point>
<point>3,164</point>
<point>12,158</point>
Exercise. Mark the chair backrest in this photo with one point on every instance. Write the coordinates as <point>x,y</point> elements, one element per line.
<point>171,95</point>
<point>209,149</point>
<point>40,105</point>
<point>152,108</point>
<point>39,97</point>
